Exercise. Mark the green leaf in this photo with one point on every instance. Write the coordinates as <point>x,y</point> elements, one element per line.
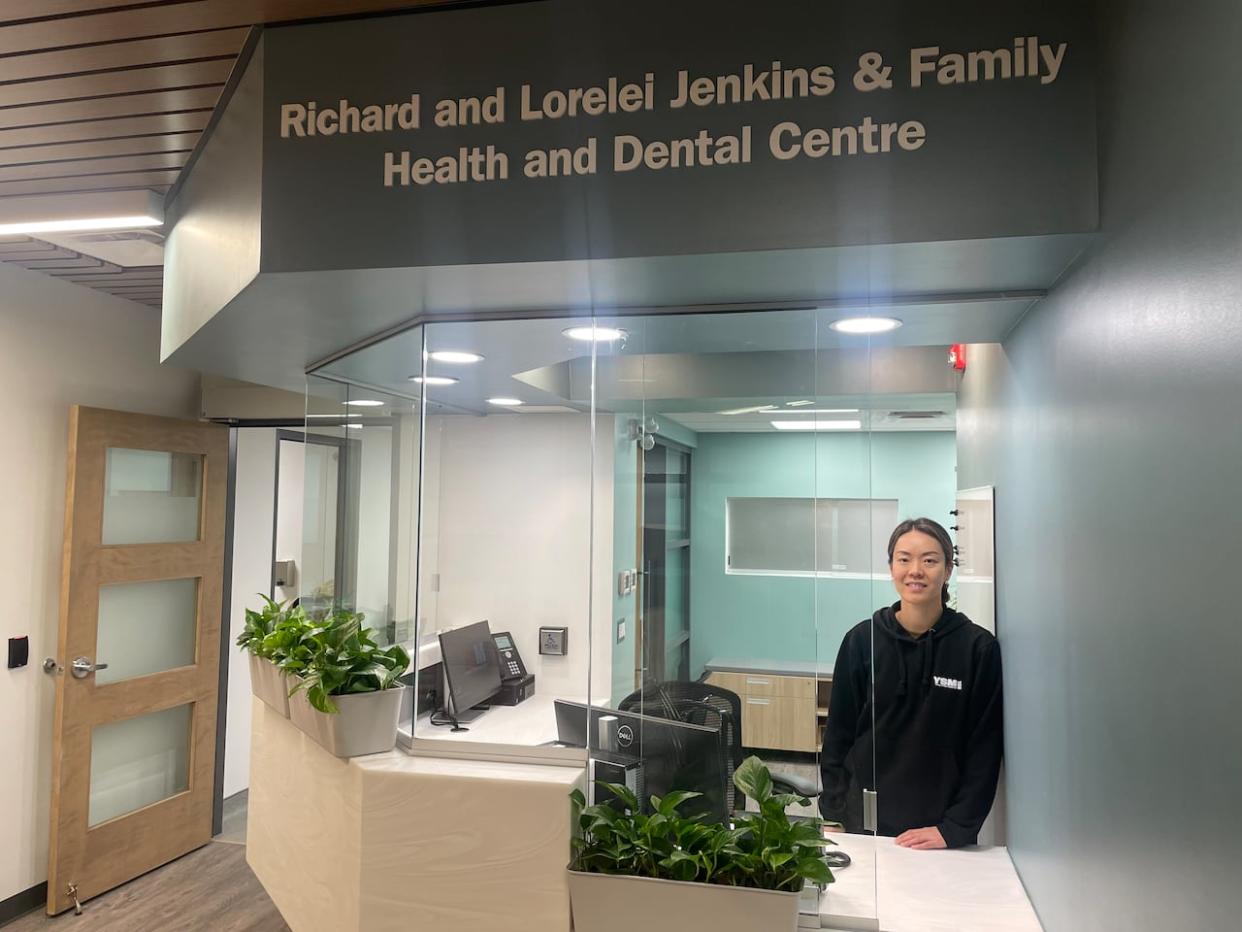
<point>623,793</point>
<point>668,805</point>
<point>753,779</point>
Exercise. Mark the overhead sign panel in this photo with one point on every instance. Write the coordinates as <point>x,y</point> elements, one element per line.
<point>570,130</point>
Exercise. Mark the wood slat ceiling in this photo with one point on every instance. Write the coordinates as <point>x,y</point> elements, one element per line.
<point>101,95</point>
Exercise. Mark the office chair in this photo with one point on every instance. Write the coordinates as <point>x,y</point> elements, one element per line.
<point>675,698</point>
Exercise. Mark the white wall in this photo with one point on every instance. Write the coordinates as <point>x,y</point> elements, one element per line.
<point>374,514</point>
<point>288,520</point>
<point>59,345</point>
<point>252,574</point>
<point>513,543</point>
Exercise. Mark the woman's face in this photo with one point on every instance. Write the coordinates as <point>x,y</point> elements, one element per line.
<point>919,568</point>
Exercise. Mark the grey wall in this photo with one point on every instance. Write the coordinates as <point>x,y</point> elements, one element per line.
<point>1110,425</point>
<point>212,250</point>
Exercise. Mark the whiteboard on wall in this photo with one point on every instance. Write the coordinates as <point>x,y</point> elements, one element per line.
<point>976,543</point>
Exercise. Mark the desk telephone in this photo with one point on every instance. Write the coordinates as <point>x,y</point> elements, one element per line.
<point>516,685</point>
<point>511,666</point>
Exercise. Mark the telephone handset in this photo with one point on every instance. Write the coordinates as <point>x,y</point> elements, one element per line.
<point>511,666</point>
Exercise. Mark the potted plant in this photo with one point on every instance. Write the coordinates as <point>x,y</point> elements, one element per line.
<point>264,637</point>
<point>346,694</point>
<point>660,872</point>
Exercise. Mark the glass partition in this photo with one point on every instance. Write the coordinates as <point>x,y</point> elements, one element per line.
<point>658,543</point>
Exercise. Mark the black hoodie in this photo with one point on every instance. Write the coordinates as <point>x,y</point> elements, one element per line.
<point>932,750</point>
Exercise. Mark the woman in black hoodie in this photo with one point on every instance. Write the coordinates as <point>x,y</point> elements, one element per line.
<point>928,740</point>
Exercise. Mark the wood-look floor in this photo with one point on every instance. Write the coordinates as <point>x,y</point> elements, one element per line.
<point>209,890</point>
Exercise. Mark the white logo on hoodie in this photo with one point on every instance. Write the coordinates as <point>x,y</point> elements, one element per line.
<point>947,683</point>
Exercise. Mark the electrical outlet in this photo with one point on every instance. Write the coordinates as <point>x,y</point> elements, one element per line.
<point>620,630</point>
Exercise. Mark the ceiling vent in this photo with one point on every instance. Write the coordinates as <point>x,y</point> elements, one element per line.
<point>916,415</point>
<point>122,236</point>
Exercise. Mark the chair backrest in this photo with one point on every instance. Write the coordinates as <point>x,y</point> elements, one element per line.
<point>698,704</point>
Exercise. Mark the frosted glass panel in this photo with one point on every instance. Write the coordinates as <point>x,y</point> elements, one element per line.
<point>853,534</point>
<point>139,761</point>
<point>145,627</point>
<point>151,497</point>
<point>771,534</point>
<point>788,535</point>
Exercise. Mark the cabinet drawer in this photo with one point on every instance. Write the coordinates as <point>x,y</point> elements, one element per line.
<point>764,684</point>
<point>779,722</point>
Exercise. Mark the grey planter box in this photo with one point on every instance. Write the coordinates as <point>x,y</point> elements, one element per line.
<point>366,723</point>
<point>268,683</point>
<point>615,903</point>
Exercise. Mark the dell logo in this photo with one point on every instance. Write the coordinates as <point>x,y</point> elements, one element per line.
<point>625,736</point>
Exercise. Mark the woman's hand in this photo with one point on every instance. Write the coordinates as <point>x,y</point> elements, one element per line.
<point>924,839</point>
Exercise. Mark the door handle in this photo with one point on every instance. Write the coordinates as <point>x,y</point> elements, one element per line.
<point>81,668</point>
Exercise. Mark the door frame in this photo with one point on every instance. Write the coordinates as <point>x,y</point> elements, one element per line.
<point>345,473</point>
<point>644,578</point>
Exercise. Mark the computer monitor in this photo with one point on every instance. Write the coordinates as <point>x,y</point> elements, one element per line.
<point>673,755</point>
<point>471,671</point>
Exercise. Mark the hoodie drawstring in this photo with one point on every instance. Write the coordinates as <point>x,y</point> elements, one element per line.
<point>929,658</point>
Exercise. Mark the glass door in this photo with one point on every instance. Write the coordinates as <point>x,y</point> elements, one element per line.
<point>664,498</point>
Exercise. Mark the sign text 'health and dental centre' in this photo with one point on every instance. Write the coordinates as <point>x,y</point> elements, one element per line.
<point>924,69</point>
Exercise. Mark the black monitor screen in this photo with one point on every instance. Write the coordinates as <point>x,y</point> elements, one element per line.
<point>674,755</point>
<point>470,665</point>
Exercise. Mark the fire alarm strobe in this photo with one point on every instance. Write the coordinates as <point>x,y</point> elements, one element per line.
<point>554,641</point>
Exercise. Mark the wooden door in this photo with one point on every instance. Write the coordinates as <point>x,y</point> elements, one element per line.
<point>139,648</point>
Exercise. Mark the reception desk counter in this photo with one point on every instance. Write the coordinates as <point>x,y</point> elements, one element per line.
<point>397,842</point>
<point>392,841</point>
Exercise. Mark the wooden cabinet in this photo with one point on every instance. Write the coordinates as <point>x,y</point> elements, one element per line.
<point>778,712</point>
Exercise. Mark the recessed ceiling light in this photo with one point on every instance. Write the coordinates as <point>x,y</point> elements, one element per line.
<point>817,425</point>
<point>595,334</point>
<point>865,324</point>
<point>798,404</point>
<point>752,410</point>
<point>354,426</point>
<point>434,380</point>
<point>505,402</point>
<point>365,403</point>
<point>456,357</point>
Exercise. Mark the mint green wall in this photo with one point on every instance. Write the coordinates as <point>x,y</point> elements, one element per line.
<point>774,617</point>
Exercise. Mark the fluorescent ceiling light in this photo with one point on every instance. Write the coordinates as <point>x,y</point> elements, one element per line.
<point>823,411</point>
<point>505,402</point>
<point>756,409</point>
<point>817,425</point>
<point>354,426</point>
<point>865,324</point>
<point>98,210</point>
<point>455,357</point>
<point>365,403</point>
<point>797,404</point>
<point>595,334</point>
<point>434,380</point>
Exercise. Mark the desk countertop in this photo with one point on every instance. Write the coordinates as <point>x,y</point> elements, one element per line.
<point>770,667</point>
<point>925,891</point>
<point>527,724</point>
